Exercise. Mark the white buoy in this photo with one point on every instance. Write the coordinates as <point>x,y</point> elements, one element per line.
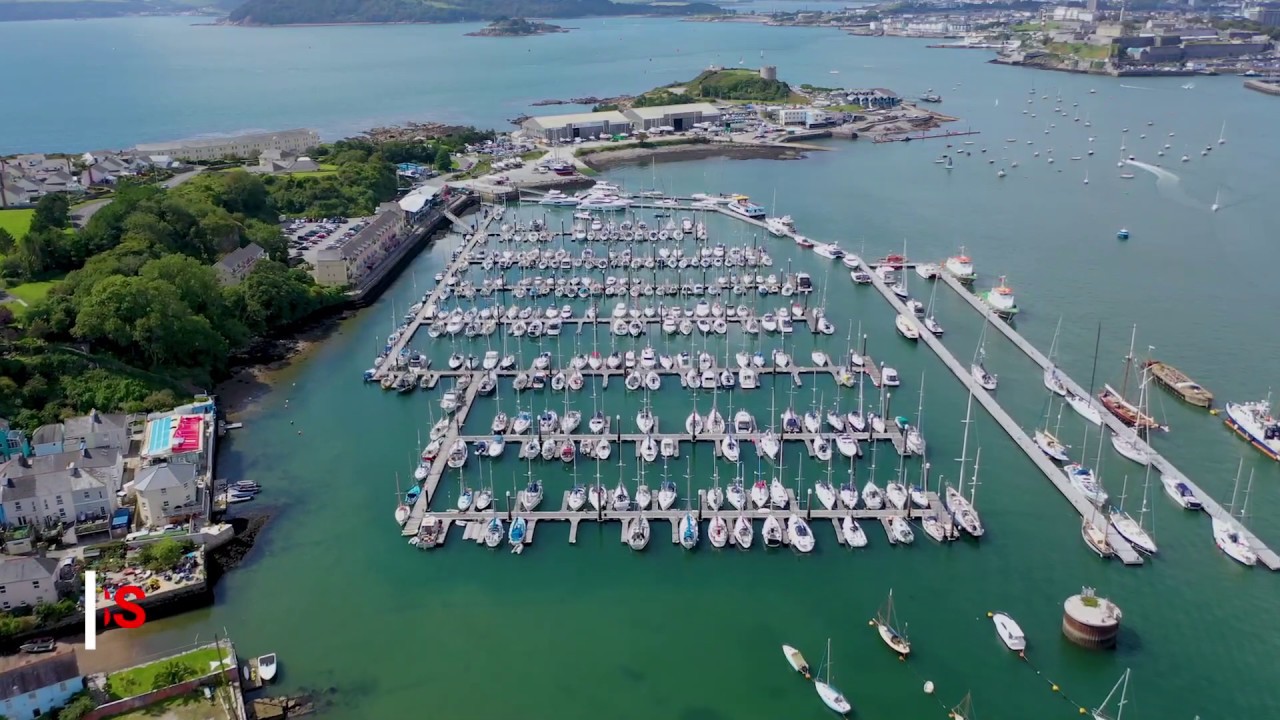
<point>928,687</point>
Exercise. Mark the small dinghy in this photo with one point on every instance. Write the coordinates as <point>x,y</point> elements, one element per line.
<point>797,661</point>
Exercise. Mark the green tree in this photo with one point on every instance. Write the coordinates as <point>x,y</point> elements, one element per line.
<point>52,211</point>
<point>33,251</point>
<point>196,283</point>
<point>243,193</point>
<point>80,705</point>
<point>443,163</point>
<point>163,554</point>
<point>6,242</point>
<point>172,672</point>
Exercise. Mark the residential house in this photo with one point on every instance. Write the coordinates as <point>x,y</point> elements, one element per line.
<point>15,197</point>
<point>284,161</point>
<point>32,685</point>
<point>13,442</point>
<point>167,493</point>
<point>92,431</point>
<point>236,265</point>
<point>96,176</point>
<point>69,487</point>
<point>245,146</point>
<point>351,261</point>
<point>27,581</point>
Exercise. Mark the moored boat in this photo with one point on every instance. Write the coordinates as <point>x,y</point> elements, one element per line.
<point>1009,631</point>
<point>1173,380</point>
<point>1253,422</point>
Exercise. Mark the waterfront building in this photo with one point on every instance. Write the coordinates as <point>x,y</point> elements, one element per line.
<point>237,264</point>
<point>167,493</point>
<point>283,161</point>
<point>237,146</point>
<point>13,442</point>
<point>33,685</point>
<point>71,487</point>
<point>420,201</point>
<point>26,582</point>
<point>349,262</point>
<point>678,118</point>
<point>587,126</point>
<point>181,435</point>
<point>92,431</point>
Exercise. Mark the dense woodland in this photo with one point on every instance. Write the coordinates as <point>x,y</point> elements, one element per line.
<point>297,12</point>
<point>139,320</point>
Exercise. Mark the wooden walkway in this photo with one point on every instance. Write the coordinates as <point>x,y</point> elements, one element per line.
<point>1266,555</point>
<point>1119,545</point>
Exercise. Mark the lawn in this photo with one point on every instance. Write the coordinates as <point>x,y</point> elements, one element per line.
<point>141,679</point>
<point>533,155</point>
<point>325,169</point>
<point>17,222</point>
<point>1081,50</point>
<point>28,293</point>
<point>192,706</point>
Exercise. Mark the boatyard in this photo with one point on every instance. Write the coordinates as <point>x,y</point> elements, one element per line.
<point>643,266</point>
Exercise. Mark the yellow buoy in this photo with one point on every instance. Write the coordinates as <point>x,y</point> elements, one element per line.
<point>1055,687</point>
<point>871,623</point>
<point>1083,711</point>
<point>989,614</point>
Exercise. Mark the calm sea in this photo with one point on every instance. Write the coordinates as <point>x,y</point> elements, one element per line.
<point>595,630</point>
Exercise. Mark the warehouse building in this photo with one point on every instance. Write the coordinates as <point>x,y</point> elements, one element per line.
<point>588,126</point>
<point>673,118</point>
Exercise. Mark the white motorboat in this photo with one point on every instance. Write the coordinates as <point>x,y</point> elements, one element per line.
<point>889,377</point>
<point>1009,632</point>
<point>1253,422</point>
<point>743,422</point>
<point>1181,493</point>
<point>718,531</point>
<point>773,532</point>
<point>267,667</point>
<point>1050,445</point>
<point>852,532</point>
<point>1084,480</point>
<point>778,497</point>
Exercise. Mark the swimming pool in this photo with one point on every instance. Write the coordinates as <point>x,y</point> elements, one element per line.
<point>159,436</point>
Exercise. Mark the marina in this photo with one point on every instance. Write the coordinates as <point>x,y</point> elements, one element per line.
<point>634,315</point>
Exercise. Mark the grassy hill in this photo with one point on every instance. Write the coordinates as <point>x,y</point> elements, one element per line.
<point>736,84</point>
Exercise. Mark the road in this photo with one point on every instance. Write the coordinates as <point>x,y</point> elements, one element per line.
<point>81,215</point>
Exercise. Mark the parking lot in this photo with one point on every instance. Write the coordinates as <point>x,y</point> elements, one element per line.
<point>308,236</point>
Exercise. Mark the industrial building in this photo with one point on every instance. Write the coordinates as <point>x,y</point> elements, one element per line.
<point>588,126</point>
<point>673,118</point>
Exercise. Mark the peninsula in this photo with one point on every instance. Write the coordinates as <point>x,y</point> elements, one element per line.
<point>333,12</point>
<point>517,27</point>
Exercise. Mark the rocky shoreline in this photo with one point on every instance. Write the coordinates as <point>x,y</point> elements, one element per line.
<point>252,369</point>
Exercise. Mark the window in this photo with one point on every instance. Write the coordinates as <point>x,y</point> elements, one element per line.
<point>86,494</point>
<point>35,583</point>
<point>62,686</point>
<point>62,513</point>
<point>59,499</point>
<point>163,491</point>
<point>17,505</point>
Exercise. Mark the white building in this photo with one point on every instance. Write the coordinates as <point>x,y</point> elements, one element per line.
<point>237,146</point>
<point>354,259</point>
<point>166,493</point>
<point>27,581</point>
<point>678,118</point>
<point>67,487</point>
<point>92,431</point>
<point>588,125</point>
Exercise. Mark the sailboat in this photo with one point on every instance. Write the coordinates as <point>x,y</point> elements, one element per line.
<point>832,697</point>
<point>494,532</point>
<point>1217,202</point>
<point>963,710</point>
<point>977,368</point>
<point>688,531</point>
<point>1130,529</point>
<point>1116,402</point>
<point>638,536</point>
<point>1083,405</point>
<point>1228,535</point>
<point>887,625</point>
<point>1101,712</point>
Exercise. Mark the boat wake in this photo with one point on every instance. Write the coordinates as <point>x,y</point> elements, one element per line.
<point>1136,87</point>
<point>1168,183</point>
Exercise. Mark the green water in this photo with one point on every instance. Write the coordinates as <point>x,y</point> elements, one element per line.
<point>595,630</point>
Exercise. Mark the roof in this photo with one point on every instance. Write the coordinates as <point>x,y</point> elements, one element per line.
<point>160,477</point>
<point>661,111</point>
<point>216,141</point>
<point>87,459</point>
<point>94,422</point>
<point>551,122</point>
<point>25,569</point>
<point>418,199</point>
<point>24,673</point>
<point>249,253</point>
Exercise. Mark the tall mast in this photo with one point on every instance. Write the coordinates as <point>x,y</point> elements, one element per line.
<point>964,445</point>
<point>1093,376</point>
<point>1128,364</point>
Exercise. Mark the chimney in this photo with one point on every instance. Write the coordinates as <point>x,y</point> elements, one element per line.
<point>8,482</point>
<point>73,470</point>
<point>84,451</point>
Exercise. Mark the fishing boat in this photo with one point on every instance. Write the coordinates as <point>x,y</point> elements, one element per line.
<point>638,535</point>
<point>796,661</point>
<point>832,697</point>
<point>1101,712</point>
<point>688,531</point>
<point>886,624</point>
<point>1009,632</point>
<point>1181,493</point>
<point>1253,422</point>
<point>799,535</point>
<point>853,534</point>
<point>1000,299</point>
<point>1173,380</point>
<point>772,532</point>
<point>961,267</point>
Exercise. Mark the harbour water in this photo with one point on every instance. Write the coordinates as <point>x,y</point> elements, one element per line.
<point>594,629</point>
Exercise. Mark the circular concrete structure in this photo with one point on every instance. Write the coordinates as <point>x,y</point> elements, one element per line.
<point>1091,621</point>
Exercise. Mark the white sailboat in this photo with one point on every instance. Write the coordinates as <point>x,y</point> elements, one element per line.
<point>743,532</point>
<point>799,534</point>
<point>1101,712</point>
<point>638,535</point>
<point>1130,529</point>
<point>886,625</point>
<point>1228,534</point>
<point>978,368</point>
<point>832,697</point>
<point>772,531</point>
<point>854,536</point>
